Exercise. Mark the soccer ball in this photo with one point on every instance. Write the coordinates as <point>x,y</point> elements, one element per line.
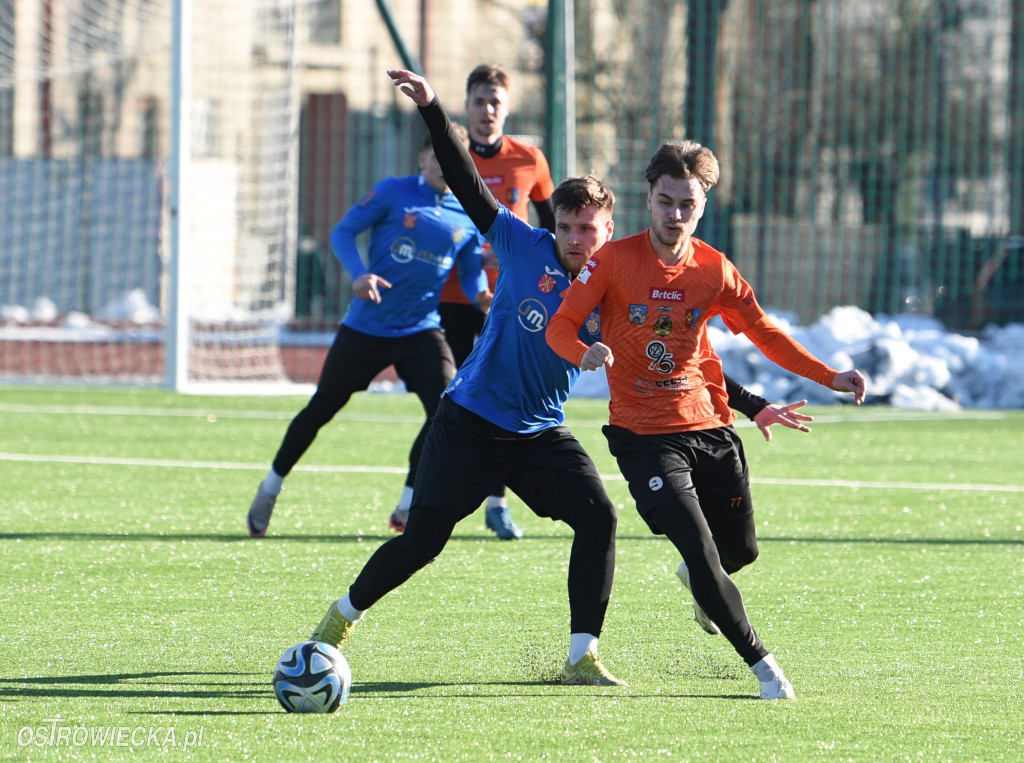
<point>312,677</point>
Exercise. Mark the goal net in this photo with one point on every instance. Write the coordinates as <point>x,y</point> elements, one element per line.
<point>134,250</point>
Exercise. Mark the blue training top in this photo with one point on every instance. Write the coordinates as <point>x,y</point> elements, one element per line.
<point>417,235</point>
<point>512,377</point>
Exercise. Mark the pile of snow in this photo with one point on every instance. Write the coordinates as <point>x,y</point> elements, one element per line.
<point>910,362</point>
<point>133,307</point>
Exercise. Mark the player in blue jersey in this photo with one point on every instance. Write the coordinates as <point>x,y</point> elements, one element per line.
<point>501,419</point>
<point>418,233</point>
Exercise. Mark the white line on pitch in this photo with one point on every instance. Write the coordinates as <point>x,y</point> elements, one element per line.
<point>161,463</point>
<point>357,469</point>
<point>184,413</point>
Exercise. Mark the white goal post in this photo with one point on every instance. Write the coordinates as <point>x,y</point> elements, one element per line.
<point>148,191</point>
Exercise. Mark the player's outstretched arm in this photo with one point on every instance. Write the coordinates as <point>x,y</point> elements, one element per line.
<point>456,164</point>
<point>784,415</point>
<point>851,381</point>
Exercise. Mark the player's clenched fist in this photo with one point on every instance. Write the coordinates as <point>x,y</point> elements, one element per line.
<point>597,355</point>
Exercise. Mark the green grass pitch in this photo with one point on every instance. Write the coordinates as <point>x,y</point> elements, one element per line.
<point>138,616</point>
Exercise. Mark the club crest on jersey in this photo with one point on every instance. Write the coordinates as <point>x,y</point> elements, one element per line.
<point>459,235</point>
<point>637,314</point>
<point>546,284</point>
<point>593,325</point>
<point>663,326</point>
<point>533,316</point>
<point>512,195</point>
<point>692,316</point>
<point>409,221</point>
<point>667,295</point>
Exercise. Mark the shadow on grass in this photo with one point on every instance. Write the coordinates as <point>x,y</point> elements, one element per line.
<point>184,685</point>
<point>400,690</point>
<point>287,539</point>
<point>207,537</point>
<point>391,687</point>
<point>137,686</point>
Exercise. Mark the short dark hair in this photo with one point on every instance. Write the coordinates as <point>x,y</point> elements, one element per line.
<point>487,74</point>
<point>574,194</point>
<point>687,160</point>
<point>459,130</point>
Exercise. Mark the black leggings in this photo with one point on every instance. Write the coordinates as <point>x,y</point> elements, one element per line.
<point>683,523</point>
<point>591,559</point>
<point>422,361</point>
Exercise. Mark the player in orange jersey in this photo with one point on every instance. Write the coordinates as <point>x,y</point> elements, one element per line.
<point>516,174</point>
<point>670,428</point>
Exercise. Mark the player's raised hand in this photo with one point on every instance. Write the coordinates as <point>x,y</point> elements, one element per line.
<point>413,85</point>
<point>597,355</point>
<point>368,286</point>
<point>786,415</point>
<point>851,381</point>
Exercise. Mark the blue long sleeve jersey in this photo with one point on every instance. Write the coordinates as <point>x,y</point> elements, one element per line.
<point>512,377</point>
<point>416,236</point>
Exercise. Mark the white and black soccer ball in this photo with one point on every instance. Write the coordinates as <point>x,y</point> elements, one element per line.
<point>312,677</point>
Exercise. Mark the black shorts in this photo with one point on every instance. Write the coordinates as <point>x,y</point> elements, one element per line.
<point>466,458</point>
<point>423,361</point>
<point>709,463</point>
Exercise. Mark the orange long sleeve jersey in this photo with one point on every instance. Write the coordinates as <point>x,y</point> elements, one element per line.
<point>516,175</point>
<point>666,377</point>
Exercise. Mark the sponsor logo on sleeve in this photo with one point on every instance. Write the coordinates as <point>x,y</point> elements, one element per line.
<point>587,270</point>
